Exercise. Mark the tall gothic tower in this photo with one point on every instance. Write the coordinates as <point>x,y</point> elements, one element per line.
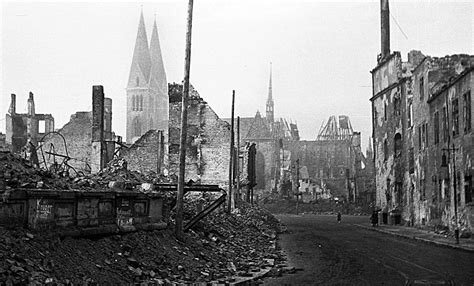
<point>269,108</point>
<point>147,89</point>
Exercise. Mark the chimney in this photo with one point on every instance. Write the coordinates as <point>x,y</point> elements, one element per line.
<point>385,28</point>
<point>31,105</point>
<point>98,146</point>
<point>12,109</point>
<point>108,135</point>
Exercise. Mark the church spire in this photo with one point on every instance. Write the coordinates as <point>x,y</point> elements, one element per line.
<point>141,62</point>
<point>157,72</point>
<point>269,109</point>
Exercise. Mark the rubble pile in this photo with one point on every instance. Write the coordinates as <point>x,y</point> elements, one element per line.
<point>116,171</point>
<point>20,173</point>
<point>220,247</point>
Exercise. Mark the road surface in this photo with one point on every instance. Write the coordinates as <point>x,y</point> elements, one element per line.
<point>328,253</point>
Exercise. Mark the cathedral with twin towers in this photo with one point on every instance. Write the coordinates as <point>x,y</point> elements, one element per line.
<point>147,88</point>
<point>148,99</point>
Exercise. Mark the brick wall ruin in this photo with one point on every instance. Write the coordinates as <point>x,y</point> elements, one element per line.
<point>208,140</point>
<point>72,140</point>
<point>146,154</point>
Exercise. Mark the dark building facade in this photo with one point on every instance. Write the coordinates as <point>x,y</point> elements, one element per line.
<point>451,135</point>
<point>417,107</point>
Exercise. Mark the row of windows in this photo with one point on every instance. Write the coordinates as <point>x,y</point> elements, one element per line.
<point>439,192</point>
<point>466,119</point>
<point>423,127</point>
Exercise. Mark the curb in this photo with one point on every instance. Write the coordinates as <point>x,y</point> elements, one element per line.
<point>240,280</point>
<point>257,275</point>
<point>416,238</point>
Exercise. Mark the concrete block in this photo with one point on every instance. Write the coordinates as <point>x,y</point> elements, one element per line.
<point>13,213</point>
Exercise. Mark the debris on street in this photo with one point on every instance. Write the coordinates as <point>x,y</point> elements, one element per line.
<point>217,249</point>
<point>220,247</point>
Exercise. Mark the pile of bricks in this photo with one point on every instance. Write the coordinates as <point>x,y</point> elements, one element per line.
<point>217,250</point>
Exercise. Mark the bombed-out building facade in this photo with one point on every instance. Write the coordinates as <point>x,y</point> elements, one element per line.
<point>24,130</point>
<point>421,113</point>
<point>335,162</point>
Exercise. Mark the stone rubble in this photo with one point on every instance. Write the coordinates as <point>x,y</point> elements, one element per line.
<point>216,250</point>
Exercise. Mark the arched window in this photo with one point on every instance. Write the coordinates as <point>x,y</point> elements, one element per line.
<point>398,145</point>
<point>137,130</point>
<point>141,102</point>
<point>385,150</point>
<point>138,81</point>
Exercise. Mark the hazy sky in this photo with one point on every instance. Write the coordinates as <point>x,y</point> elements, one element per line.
<point>321,52</point>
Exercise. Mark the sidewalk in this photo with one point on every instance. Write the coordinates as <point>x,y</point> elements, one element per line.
<point>466,244</point>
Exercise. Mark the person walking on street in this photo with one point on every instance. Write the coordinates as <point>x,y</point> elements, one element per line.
<point>339,217</point>
<point>375,219</point>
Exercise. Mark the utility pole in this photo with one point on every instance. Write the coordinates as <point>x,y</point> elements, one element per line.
<point>159,152</point>
<point>238,159</point>
<point>183,135</point>
<point>231,161</point>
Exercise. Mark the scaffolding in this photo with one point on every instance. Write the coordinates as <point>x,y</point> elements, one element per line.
<point>336,129</point>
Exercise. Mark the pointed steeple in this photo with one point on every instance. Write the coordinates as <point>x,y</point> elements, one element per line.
<point>157,72</point>
<point>270,85</point>
<point>269,108</point>
<point>141,62</point>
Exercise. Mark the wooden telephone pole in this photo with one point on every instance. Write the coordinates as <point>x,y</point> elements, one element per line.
<point>231,159</point>
<point>184,119</point>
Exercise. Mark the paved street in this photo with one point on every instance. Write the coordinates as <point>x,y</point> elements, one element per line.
<point>343,254</point>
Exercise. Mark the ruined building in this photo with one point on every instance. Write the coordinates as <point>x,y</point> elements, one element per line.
<point>272,138</point>
<point>420,108</point>
<point>335,161</point>
<point>147,88</point>
<point>25,128</point>
<point>450,111</point>
<point>208,140</point>
<point>207,143</point>
<point>70,148</point>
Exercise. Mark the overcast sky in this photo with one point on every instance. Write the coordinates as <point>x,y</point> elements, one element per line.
<point>321,52</point>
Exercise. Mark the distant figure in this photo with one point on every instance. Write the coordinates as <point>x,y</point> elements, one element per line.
<point>374,218</point>
<point>338,217</point>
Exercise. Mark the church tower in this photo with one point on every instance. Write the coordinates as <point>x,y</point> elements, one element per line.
<point>147,88</point>
<point>269,108</point>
